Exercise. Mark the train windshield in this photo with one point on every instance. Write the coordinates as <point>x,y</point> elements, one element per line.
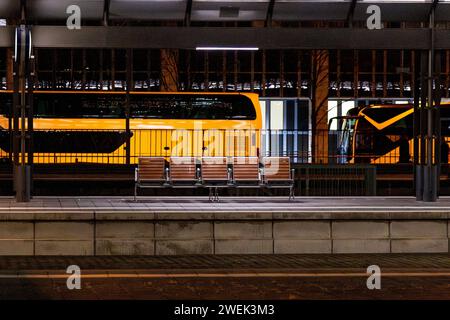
<point>345,135</point>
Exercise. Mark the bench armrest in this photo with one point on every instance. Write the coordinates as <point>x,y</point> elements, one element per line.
<point>199,177</point>
<point>136,174</point>
<point>166,174</point>
<point>229,175</point>
<point>292,174</point>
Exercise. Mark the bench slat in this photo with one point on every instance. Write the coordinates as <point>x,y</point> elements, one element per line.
<point>151,169</point>
<point>245,169</point>
<point>276,169</point>
<point>183,169</point>
<point>214,169</point>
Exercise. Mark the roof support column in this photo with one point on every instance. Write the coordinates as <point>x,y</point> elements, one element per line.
<point>319,96</point>
<point>22,123</point>
<point>427,176</point>
<point>22,116</point>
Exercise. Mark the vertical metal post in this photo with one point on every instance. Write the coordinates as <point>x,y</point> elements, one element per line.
<point>22,177</point>
<point>15,114</point>
<point>30,152</point>
<point>127,111</point>
<point>374,72</point>
<point>422,123</point>
<point>100,78</point>
<point>224,71</point>
<point>113,69</point>
<point>281,73</point>
<point>54,64</point>
<point>402,66</point>
<point>299,74</point>
<point>356,73</point>
<point>430,177</point>
<point>416,129</point>
<point>384,73</point>
<point>313,102</point>
<point>437,119</point>
<point>263,76</point>
<point>206,71</point>
<point>252,71</point>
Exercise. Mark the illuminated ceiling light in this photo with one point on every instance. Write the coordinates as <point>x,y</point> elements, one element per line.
<point>228,48</point>
<point>2,22</point>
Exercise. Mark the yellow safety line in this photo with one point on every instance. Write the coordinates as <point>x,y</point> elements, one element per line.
<point>224,275</point>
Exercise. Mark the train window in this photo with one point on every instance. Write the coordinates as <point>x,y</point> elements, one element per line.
<point>5,104</point>
<point>192,107</point>
<point>78,106</point>
<point>177,106</point>
<point>159,107</point>
<point>2,107</point>
<point>445,127</point>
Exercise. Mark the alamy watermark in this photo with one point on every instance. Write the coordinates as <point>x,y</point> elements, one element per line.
<point>74,280</point>
<point>74,20</point>
<point>373,22</point>
<point>374,280</point>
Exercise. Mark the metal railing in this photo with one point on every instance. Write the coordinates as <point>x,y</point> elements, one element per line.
<point>110,146</point>
<point>336,180</point>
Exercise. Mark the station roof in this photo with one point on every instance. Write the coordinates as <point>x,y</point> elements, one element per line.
<point>231,10</point>
<point>190,24</point>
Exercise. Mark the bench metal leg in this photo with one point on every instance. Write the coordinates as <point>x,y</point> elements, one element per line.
<point>210,197</point>
<point>291,193</point>
<point>213,194</point>
<point>135,192</point>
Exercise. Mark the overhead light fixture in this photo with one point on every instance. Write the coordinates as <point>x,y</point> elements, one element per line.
<point>227,48</point>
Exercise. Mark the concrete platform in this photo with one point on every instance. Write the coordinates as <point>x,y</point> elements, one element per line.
<point>254,204</point>
<point>193,225</point>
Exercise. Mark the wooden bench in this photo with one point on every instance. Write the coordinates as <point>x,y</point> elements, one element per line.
<point>277,173</point>
<point>246,171</point>
<point>183,171</point>
<point>214,173</point>
<point>151,172</point>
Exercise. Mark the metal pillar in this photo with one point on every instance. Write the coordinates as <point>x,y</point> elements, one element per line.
<point>437,118</point>
<point>30,72</point>
<point>418,174</point>
<point>22,115</point>
<point>427,131</point>
<point>427,123</point>
<point>431,178</point>
<point>129,64</point>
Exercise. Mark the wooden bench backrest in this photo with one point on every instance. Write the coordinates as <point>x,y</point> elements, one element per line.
<point>151,168</point>
<point>245,168</point>
<point>183,169</point>
<point>277,168</point>
<point>214,169</point>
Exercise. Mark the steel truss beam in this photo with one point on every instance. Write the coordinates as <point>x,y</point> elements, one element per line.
<point>264,38</point>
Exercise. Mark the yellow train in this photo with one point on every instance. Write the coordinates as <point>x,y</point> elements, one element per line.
<point>87,126</point>
<point>374,134</point>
